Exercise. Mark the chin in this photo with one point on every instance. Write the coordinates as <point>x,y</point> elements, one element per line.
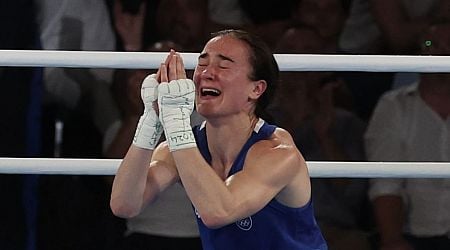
<point>202,110</point>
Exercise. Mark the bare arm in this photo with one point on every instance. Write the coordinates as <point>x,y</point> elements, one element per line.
<point>273,168</point>
<point>269,172</point>
<point>145,171</point>
<point>129,182</point>
<point>138,182</point>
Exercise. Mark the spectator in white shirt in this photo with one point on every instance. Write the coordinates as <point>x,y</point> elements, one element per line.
<point>412,123</point>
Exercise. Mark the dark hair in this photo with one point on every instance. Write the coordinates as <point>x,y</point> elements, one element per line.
<point>264,67</point>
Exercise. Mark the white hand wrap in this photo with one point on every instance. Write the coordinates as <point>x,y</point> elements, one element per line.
<point>176,103</point>
<point>149,128</point>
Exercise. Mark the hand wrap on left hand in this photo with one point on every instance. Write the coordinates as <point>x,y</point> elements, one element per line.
<point>149,128</point>
<point>176,104</point>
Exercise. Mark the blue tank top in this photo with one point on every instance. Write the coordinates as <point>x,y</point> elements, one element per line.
<point>275,227</point>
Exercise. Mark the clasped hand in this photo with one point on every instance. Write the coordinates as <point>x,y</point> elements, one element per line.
<point>171,95</point>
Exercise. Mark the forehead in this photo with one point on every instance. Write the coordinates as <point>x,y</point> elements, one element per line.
<point>228,46</point>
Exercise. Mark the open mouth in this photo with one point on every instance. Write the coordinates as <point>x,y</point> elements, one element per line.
<point>210,92</point>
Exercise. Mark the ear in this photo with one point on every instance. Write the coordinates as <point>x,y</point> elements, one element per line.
<point>258,89</point>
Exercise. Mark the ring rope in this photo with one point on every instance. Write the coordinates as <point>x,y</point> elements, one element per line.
<point>323,169</point>
<point>287,62</point>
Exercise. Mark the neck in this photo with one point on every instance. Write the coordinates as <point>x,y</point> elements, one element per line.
<point>226,137</point>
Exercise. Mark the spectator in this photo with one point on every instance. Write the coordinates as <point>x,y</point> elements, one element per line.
<point>412,124</point>
<point>77,97</point>
<point>383,27</point>
<point>73,212</point>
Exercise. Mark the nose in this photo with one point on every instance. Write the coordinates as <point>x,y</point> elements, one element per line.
<point>208,72</point>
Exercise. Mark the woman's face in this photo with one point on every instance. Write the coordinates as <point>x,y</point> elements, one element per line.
<point>222,78</point>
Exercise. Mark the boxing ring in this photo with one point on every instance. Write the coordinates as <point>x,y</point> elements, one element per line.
<point>287,62</point>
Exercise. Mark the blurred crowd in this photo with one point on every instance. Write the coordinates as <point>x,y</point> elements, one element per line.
<point>333,116</point>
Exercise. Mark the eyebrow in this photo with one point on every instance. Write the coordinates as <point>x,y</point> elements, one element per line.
<point>222,57</point>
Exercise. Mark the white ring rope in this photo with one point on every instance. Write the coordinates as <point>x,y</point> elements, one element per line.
<point>64,166</point>
<point>287,62</point>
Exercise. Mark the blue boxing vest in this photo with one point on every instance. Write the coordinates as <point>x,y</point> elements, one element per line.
<point>274,227</point>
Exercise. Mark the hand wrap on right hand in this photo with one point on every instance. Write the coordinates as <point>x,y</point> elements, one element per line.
<point>176,104</point>
<point>149,128</point>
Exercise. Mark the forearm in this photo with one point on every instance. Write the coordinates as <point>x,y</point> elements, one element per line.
<point>207,191</point>
<point>130,181</point>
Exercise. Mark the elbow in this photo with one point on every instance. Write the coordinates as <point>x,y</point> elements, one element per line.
<point>216,220</point>
<point>213,223</point>
<point>123,209</point>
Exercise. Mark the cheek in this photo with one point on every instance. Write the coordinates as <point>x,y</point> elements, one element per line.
<point>239,95</point>
<point>196,76</point>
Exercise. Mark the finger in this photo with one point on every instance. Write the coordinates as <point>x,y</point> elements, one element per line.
<point>181,72</point>
<point>163,70</point>
<point>158,75</point>
<point>166,62</point>
<point>169,57</point>
<point>173,68</point>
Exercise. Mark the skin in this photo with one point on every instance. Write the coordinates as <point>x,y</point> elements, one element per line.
<point>274,168</point>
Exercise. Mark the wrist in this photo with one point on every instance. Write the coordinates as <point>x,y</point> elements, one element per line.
<point>176,103</point>
<point>148,130</point>
<point>180,137</point>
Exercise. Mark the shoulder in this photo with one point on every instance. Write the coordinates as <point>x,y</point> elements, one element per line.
<point>280,139</point>
<point>278,150</point>
<point>279,160</point>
